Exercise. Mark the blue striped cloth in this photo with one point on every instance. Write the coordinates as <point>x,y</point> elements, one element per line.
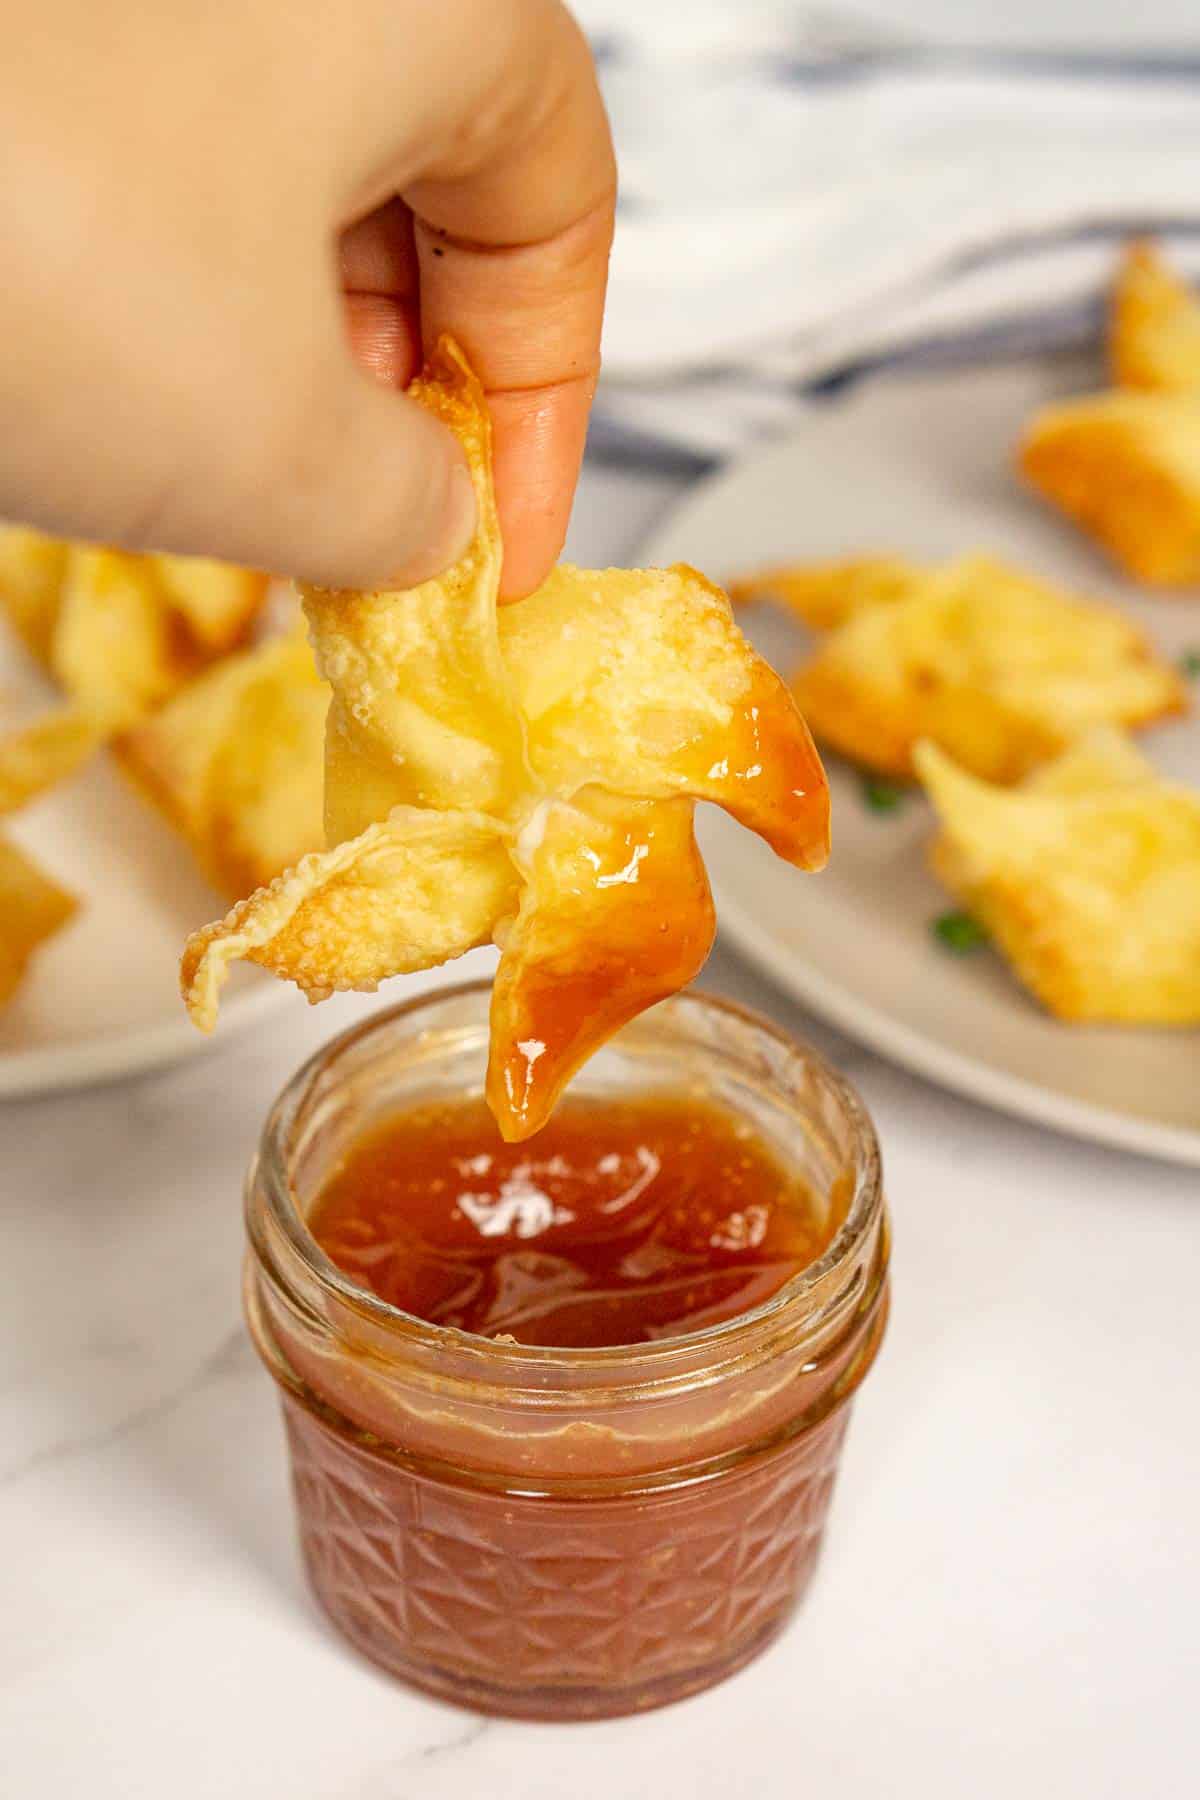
<point>805,198</point>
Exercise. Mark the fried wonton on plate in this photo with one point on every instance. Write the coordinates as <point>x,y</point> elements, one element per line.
<point>998,668</point>
<point>40,755</point>
<point>823,595</point>
<point>118,632</point>
<point>1154,327</point>
<point>215,602</point>
<point>525,775</point>
<point>235,762</point>
<point>1087,877</point>
<point>32,567</point>
<point>32,909</point>
<point>1125,467</point>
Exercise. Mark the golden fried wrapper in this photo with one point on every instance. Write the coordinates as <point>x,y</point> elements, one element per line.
<point>216,602</point>
<point>823,595</point>
<point>999,669</point>
<point>32,909</point>
<point>32,567</point>
<point>1087,877</point>
<point>40,755</point>
<point>418,889</point>
<point>120,633</point>
<point>1154,329</point>
<point>424,712</point>
<point>114,649</point>
<point>526,774</point>
<point>1125,467</point>
<point>236,763</point>
<point>639,680</point>
<point>125,638</point>
<point>1102,758</point>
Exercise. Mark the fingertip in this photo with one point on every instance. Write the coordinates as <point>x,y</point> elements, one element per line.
<point>533,528</point>
<point>393,503</point>
<point>539,437</point>
<point>528,562</point>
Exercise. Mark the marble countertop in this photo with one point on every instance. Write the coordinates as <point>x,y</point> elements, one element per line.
<point>1009,1596</point>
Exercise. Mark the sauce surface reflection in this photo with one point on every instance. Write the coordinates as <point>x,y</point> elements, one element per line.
<point>620,1222</point>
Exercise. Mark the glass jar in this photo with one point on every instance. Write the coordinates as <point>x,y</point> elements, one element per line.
<point>564,1533</point>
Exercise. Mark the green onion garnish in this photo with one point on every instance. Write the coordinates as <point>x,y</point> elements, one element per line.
<point>959,932</point>
<point>882,796</point>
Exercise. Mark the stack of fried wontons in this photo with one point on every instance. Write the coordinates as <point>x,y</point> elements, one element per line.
<point>1010,701</point>
<point>156,658</point>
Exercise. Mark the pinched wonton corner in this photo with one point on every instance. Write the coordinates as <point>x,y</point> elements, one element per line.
<point>824,595</point>
<point>32,909</point>
<point>1125,466</point>
<point>1087,877</point>
<point>999,669</point>
<point>528,775</point>
<point>1154,329</point>
<point>236,763</point>
<point>118,632</point>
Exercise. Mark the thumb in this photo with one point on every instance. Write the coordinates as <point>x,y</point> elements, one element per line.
<point>366,489</point>
<point>329,477</point>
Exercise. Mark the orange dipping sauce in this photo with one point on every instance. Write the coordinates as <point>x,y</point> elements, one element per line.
<point>621,1222</point>
<point>564,1416</point>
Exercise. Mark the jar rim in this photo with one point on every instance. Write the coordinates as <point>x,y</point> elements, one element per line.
<point>271,1177</point>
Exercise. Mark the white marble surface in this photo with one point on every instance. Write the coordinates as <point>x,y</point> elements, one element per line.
<point>1008,1604</point>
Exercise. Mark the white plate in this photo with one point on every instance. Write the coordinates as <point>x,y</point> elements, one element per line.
<point>101,998</point>
<point>922,466</point>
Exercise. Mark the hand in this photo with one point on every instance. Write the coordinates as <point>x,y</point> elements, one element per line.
<point>181,366</point>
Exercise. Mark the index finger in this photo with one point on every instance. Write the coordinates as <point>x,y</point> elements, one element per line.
<point>512,249</point>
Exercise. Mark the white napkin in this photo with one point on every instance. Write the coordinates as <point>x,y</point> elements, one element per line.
<point>801,197</point>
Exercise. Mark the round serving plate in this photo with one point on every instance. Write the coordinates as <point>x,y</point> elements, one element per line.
<point>101,998</point>
<point>922,466</point>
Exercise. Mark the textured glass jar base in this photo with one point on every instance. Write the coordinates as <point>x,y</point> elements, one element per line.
<point>546,1608</point>
<point>548,1705</point>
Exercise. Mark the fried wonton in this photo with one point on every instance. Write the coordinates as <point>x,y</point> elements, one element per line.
<point>1125,466</point>
<point>131,630</point>
<point>215,602</point>
<point>526,775</point>
<point>999,669</point>
<point>40,755</point>
<point>1087,877</point>
<point>32,567</point>
<point>824,595</point>
<point>1154,330</point>
<point>236,763</point>
<point>118,632</point>
<point>32,909</point>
